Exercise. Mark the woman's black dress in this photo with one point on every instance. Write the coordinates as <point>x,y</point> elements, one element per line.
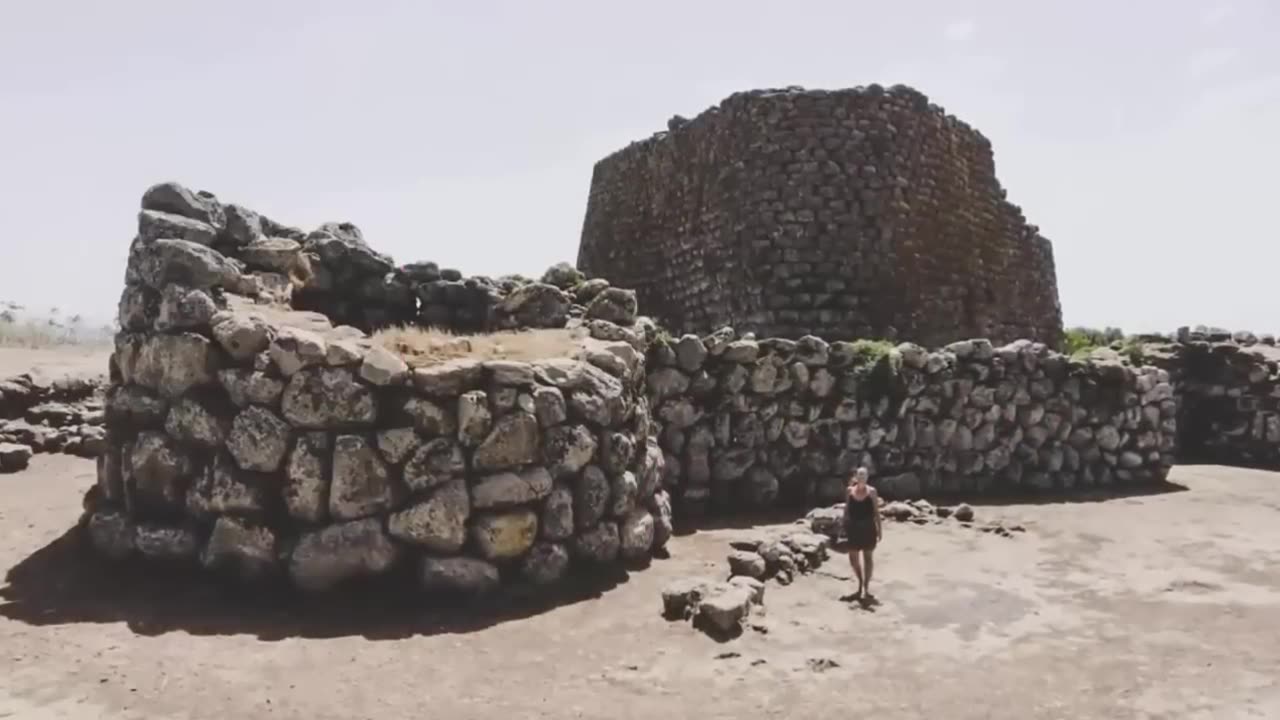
<point>860,522</point>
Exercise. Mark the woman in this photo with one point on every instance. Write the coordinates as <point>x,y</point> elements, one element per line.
<point>862,528</point>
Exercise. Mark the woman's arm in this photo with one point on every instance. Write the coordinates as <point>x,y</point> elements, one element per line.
<point>875,512</point>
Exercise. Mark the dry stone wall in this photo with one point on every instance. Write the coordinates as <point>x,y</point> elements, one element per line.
<point>264,440</point>
<point>49,414</point>
<point>859,213</point>
<point>269,443</point>
<point>753,423</point>
<point>1228,391</point>
<point>333,270</point>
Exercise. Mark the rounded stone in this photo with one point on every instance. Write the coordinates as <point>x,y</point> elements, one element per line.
<point>500,536</point>
<point>258,439</point>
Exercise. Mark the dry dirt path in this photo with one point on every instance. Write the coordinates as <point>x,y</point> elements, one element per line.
<point>1158,606</point>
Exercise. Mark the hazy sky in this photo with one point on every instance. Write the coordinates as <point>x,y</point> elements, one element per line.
<point>1141,136</point>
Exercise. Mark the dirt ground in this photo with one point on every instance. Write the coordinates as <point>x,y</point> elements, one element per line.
<point>52,362</point>
<point>1156,606</point>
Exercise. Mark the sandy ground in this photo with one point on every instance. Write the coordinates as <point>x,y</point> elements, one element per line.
<point>1156,606</point>
<point>74,360</point>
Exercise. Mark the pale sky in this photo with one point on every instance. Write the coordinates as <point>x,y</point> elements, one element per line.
<point>1139,135</point>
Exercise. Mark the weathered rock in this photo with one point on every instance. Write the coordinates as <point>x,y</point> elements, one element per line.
<point>258,439</point>
<point>397,444</point>
<point>191,422</point>
<point>224,489</point>
<point>183,308</point>
<point>963,513</point>
<point>759,487</point>
<point>158,472</point>
<point>690,353</point>
<point>383,368</point>
<point>325,397</point>
<point>474,419</point>
<point>242,545</point>
<point>506,535</point>
<point>341,352</point>
<point>429,418</point>
<point>14,457</point>
<point>556,521</point>
<point>751,564</point>
<point>663,528</point>
<point>243,225</point>
<point>251,387</point>
<point>667,382</point>
<point>306,488</point>
<point>536,305</point>
<point>505,489</point>
<point>563,276</point>
<point>168,261</point>
<point>614,305</point>
<point>438,523</point>
<point>155,224</point>
<point>549,406</point>
<point>545,563</point>
<point>624,493</point>
<point>436,462</point>
<point>135,406</point>
<point>174,364</point>
<point>458,575</point>
<point>726,607</point>
<point>294,349</point>
<point>755,586</point>
<point>567,449</point>
<point>449,379</point>
<point>898,511</point>
<point>361,485</point>
<point>273,254</point>
<point>636,532</point>
<point>324,558</point>
<point>164,543</point>
<point>514,441</point>
<point>111,533</point>
<point>170,197</point>
<point>680,598</point>
<point>601,544</point>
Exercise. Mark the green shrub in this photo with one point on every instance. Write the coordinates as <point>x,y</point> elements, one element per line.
<point>866,352</point>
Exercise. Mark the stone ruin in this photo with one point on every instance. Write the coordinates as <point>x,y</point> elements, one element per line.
<point>255,428</point>
<point>857,213</point>
<point>258,439</point>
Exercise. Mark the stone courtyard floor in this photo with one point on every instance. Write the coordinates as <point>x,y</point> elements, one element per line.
<point>1155,606</point>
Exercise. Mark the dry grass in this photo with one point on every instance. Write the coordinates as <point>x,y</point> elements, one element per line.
<point>422,346</point>
<point>36,335</point>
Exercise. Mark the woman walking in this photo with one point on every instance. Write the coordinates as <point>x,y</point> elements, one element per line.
<point>862,529</point>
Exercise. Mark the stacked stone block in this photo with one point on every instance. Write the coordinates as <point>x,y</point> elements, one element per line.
<point>1228,389</point>
<point>251,445</point>
<point>844,214</point>
<point>753,423</point>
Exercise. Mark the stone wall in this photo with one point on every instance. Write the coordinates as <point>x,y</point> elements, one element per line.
<point>746,422</point>
<point>333,270</point>
<point>49,414</point>
<point>843,214</point>
<point>267,442</point>
<point>1228,389</point>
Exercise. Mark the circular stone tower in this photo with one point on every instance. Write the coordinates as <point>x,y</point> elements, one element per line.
<point>857,213</point>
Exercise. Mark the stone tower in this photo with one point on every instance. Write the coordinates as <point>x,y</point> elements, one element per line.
<point>857,213</point>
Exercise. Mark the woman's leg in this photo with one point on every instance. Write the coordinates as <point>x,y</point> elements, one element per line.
<point>869,562</point>
<point>856,563</point>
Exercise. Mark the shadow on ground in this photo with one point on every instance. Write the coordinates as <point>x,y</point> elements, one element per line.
<point>65,583</point>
